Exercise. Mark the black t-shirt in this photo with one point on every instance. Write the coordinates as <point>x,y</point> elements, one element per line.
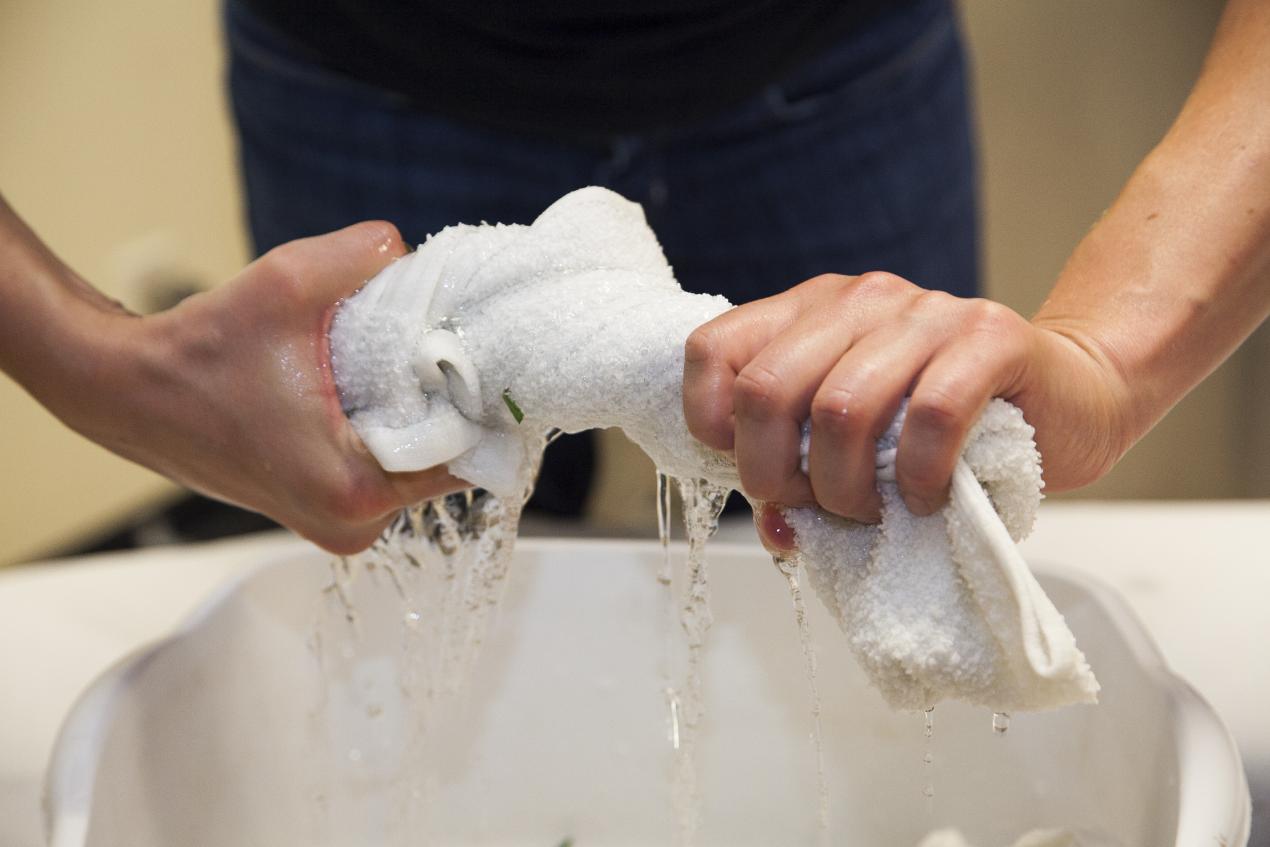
<point>567,67</point>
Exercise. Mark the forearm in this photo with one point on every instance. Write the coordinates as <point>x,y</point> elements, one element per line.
<point>56,331</point>
<point>1177,273</point>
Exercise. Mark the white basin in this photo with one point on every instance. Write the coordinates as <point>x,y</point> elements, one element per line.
<point>230,734</point>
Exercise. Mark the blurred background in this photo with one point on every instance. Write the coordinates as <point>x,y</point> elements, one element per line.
<point>116,148</point>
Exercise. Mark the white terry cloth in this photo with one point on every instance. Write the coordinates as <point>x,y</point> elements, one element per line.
<point>944,606</point>
<point>577,318</point>
<point>578,322</point>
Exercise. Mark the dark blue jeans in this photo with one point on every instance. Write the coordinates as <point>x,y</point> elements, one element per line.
<point>861,160</point>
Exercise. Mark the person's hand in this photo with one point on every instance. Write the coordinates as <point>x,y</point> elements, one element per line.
<point>231,393</point>
<point>844,351</point>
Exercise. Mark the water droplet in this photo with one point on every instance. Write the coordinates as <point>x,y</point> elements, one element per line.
<point>928,791</point>
<point>663,526</point>
<point>354,755</point>
<point>929,758</point>
<point>929,715</point>
<point>672,700</point>
<point>1000,722</point>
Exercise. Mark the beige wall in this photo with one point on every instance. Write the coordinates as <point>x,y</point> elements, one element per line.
<point>1071,95</point>
<point>115,146</point>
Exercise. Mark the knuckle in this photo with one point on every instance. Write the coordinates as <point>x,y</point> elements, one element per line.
<point>935,301</point>
<point>991,318</point>
<point>708,425</point>
<point>939,411</point>
<point>352,501</point>
<point>831,281</point>
<point>834,413</point>
<point>702,345</point>
<point>759,391</point>
<point>285,271</point>
<point>880,283</point>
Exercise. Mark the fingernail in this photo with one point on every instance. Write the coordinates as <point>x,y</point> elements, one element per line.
<point>776,535</point>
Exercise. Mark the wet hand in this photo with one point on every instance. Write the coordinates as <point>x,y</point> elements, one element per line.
<point>231,393</point>
<point>843,352</point>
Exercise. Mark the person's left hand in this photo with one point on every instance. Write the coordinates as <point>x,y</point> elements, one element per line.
<point>844,351</point>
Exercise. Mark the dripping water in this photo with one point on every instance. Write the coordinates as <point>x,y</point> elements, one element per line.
<point>447,561</point>
<point>702,504</point>
<point>666,613</point>
<point>1000,723</point>
<point>663,526</point>
<point>790,567</point>
<point>928,759</point>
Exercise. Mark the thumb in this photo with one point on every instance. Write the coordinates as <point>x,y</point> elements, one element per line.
<point>416,486</point>
<point>337,264</point>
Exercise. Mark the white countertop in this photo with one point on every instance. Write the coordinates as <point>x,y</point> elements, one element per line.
<point>1198,574</point>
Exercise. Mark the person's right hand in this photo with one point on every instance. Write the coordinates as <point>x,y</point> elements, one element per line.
<point>231,393</point>
<point>843,352</point>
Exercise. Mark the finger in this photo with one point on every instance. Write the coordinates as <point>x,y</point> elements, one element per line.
<point>345,540</point>
<point>853,408</point>
<point>946,401</point>
<point>357,252</point>
<point>327,268</point>
<point>773,394</point>
<point>346,537</point>
<point>766,440</point>
<point>417,486</point>
<point>775,534</point>
<point>716,352</point>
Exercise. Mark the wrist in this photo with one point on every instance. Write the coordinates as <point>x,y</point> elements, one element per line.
<point>1081,384</point>
<point>77,364</point>
<point>55,326</point>
<point>1158,292</point>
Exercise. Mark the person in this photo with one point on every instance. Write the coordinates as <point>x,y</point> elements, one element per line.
<point>230,392</point>
<point>767,142</point>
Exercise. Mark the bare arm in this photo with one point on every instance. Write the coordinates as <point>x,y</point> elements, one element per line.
<point>1163,288</point>
<point>1177,274</point>
<point>229,393</point>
